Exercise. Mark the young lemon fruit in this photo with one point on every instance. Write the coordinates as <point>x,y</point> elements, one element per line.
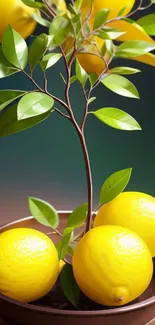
<point>29,264</point>
<point>112,265</point>
<point>18,15</point>
<point>133,210</point>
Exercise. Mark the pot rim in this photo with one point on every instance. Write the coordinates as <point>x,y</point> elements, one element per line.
<point>112,311</point>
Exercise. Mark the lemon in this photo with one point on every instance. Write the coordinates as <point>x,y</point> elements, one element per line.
<point>29,264</point>
<point>58,5</point>
<point>112,265</point>
<point>18,15</point>
<point>133,210</point>
<point>113,5</point>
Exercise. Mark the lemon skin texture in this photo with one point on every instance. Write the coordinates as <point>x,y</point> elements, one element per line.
<point>133,210</point>
<point>112,265</point>
<point>29,264</point>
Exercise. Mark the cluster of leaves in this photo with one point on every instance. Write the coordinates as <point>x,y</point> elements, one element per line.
<point>35,106</point>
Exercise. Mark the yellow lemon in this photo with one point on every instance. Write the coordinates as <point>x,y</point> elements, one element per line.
<point>29,264</point>
<point>112,265</point>
<point>133,210</point>
<point>58,5</point>
<point>18,15</point>
<point>113,5</point>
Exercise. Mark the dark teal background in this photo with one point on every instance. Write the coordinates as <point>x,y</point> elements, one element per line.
<point>46,161</point>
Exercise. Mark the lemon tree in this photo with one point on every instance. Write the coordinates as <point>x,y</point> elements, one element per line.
<point>87,36</point>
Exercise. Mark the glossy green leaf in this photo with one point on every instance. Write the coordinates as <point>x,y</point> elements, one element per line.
<point>91,100</point>
<point>33,3</point>
<point>43,212</point>
<point>101,18</point>
<point>122,10</point>
<point>40,20</point>
<point>117,119</point>
<point>34,104</point>
<point>123,70</point>
<point>71,248</point>
<point>76,23</point>
<point>134,48</point>
<point>81,73</point>
<point>78,4</point>
<point>37,49</point>
<point>73,79</point>
<point>59,28</point>
<point>93,79</point>
<point>120,85</point>
<point>114,185</point>
<point>77,218</point>
<point>6,68</point>
<point>71,9</point>
<point>148,24</point>
<point>69,286</point>
<point>14,48</point>
<point>8,96</point>
<point>109,45</point>
<point>49,60</point>
<point>9,123</point>
<point>110,33</point>
<point>62,245</point>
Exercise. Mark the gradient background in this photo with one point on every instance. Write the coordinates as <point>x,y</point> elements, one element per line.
<point>46,161</point>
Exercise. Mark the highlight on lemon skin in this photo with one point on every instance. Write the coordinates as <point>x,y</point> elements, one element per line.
<point>133,210</point>
<point>29,264</point>
<point>117,263</point>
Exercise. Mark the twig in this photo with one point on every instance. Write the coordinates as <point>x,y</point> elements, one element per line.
<point>55,231</point>
<point>86,108</point>
<point>45,82</point>
<point>59,112</point>
<point>50,9</point>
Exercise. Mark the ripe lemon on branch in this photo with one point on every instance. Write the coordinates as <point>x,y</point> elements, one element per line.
<point>18,15</point>
<point>132,31</point>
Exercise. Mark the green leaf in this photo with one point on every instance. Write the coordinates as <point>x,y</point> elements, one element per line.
<point>43,212</point>
<point>122,10</point>
<point>71,248</point>
<point>116,119</point>
<point>37,49</point>
<point>34,104</point>
<point>14,48</point>
<point>91,100</point>
<point>59,28</point>
<point>69,286</point>
<point>120,85</point>
<point>134,48</point>
<point>93,78</point>
<point>101,18</point>
<point>9,123</point>
<point>8,96</point>
<point>6,68</point>
<point>33,4</point>
<point>76,23</point>
<point>72,9</point>
<point>109,45</point>
<point>110,33</point>
<point>148,24</point>
<point>77,218</point>
<point>73,79</point>
<point>40,20</point>
<point>114,185</point>
<point>152,1</point>
<point>62,245</point>
<point>78,4</point>
<point>81,73</point>
<point>123,70</point>
<point>49,60</point>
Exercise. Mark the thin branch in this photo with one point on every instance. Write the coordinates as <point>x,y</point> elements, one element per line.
<point>86,108</point>
<point>54,232</point>
<point>32,80</point>
<point>59,112</point>
<point>50,9</point>
<point>45,82</point>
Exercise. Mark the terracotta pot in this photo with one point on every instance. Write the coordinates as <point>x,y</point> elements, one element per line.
<point>140,312</point>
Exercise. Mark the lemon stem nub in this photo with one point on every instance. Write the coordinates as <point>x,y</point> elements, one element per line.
<point>120,299</point>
